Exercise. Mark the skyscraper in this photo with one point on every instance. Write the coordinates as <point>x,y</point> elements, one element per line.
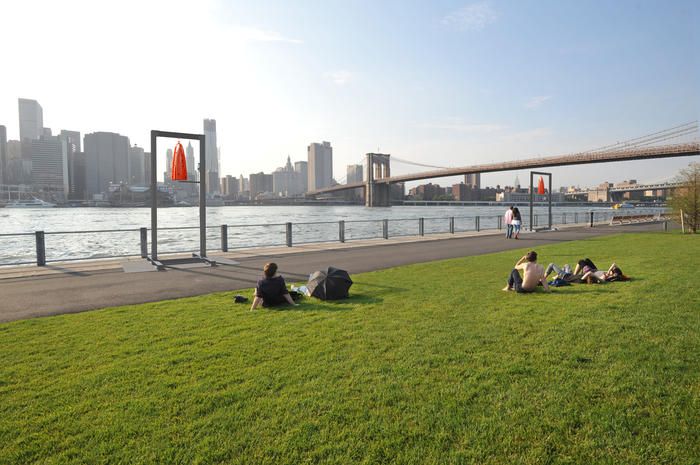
<point>354,174</point>
<point>31,119</point>
<point>72,137</point>
<point>106,160</point>
<point>302,168</point>
<point>3,155</point>
<point>137,165</point>
<point>167,174</point>
<point>473,180</point>
<point>50,164</point>
<point>320,168</point>
<point>212,156</point>
<point>286,181</point>
<point>191,167</point>
<point>260,183</point>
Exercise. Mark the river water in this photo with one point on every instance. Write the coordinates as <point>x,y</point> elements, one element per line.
<point>249,226</point>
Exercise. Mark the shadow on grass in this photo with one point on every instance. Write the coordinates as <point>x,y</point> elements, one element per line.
<point>311,304</point>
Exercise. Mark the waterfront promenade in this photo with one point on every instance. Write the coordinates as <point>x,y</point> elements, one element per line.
<point>33,292</point>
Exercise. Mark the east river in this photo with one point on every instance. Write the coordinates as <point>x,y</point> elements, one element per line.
<point>249,226</point>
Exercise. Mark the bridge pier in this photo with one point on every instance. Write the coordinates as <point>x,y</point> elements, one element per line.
<point>378,194</point>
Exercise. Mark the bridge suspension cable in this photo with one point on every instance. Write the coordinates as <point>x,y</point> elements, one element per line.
<point>649,139</point>
<point>408,162</point>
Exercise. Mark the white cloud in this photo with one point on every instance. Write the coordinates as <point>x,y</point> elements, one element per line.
<point>537,101</point>
<point>457,125</point>
<point>474,17</point>
<point>340,77</point>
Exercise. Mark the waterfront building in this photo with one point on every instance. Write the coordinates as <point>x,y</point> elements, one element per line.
<point>191,167</point>
<point>286,181</point>
<point>428,191</point>
<point>72,137</point>
<point>473,180</point>
<point>211,153</point>
<point>465,192</point>
<point>106,161</point>
<point>167,174</point>
<point>260,183</point>
<point>50,164</point>
<point>354,173</point>
<point>147,167</point>
<point>229,186</point>
<point>137,165</point>
<point>76,176</point>
<point>31,119</point>
<point>3,155</point>
<point>243,184</point>
<point>13,165</point>
<point>302,167</point>
<point>320,165</point>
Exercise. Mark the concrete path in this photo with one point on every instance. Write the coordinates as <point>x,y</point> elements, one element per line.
<point>32,292</point>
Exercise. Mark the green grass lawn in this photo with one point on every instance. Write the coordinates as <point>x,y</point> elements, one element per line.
<point>425,364</point>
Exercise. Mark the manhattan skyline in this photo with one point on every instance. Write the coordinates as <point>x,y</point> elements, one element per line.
<point>449,83</point>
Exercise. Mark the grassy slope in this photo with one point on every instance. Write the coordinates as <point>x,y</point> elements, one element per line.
<point>429,363</point>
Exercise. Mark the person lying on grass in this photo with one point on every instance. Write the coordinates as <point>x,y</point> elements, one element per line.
<point>614,273</point>
<point>271,290</point>
<point>533,275</point>
<point>564,273</point>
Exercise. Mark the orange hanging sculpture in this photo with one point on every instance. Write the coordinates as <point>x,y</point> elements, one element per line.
<point>179,166</point>
<point>540,184</point>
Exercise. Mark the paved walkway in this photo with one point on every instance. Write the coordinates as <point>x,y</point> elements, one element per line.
<point>31,291</point>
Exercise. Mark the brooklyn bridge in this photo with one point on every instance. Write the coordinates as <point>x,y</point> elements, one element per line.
<point>378,178</point>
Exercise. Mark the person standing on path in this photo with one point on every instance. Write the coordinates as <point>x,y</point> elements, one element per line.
<point>516,222</point>
<point>508,220</point>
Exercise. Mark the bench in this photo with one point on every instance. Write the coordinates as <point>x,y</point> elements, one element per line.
<point>631,219</point>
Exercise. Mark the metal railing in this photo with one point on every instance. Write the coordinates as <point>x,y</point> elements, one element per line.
<point>241,236</point>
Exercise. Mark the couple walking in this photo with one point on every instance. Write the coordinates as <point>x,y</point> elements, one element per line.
<point>513,221</point>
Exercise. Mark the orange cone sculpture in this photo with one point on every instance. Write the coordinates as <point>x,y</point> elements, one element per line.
<point>540,183</point>
<point>179,166</point>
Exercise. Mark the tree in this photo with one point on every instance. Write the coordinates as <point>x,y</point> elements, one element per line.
<point>686,199</point>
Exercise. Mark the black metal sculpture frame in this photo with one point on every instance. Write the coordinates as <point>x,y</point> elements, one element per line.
<point>532,197</point>
<point>202,256</point>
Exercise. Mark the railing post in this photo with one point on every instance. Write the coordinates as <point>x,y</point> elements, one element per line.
<point>224,238</point>
<point>40,249</point>
<point>576,217</point>
<point>477,225</point>
<point>289,234</point>
<point>500,222</point>
<point>591,219</point>
<point>385,228</point>
<point>421,229</point>
<point>341,230</point>
<point>563,218</point>
<point>144,242</point>
<point>665,225</point>
<point>452,224</point>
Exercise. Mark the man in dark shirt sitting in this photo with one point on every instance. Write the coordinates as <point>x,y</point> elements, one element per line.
<point>271,290</point>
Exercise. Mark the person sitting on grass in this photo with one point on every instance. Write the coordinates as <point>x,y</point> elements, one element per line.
<point>533,275</point>
<point>614,273</point>
<point>271,290</point>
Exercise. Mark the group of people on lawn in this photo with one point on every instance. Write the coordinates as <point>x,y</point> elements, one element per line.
<point>535,274</point>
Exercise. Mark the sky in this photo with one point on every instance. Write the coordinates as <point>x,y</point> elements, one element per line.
<point>447,83</point>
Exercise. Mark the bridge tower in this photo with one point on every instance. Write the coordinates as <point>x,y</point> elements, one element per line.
<point>378,167</point>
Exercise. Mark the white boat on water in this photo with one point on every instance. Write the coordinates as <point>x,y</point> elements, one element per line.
<point>33,203</point>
